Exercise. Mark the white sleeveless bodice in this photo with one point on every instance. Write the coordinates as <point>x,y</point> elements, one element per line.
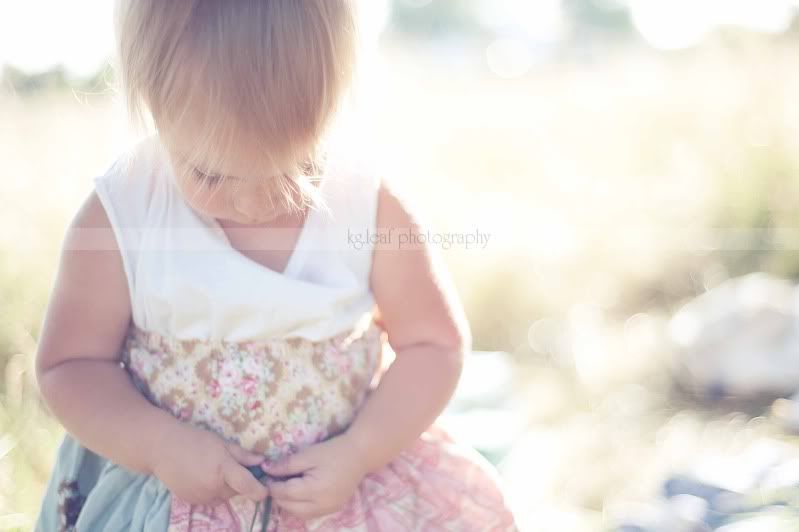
<point>187,281</point>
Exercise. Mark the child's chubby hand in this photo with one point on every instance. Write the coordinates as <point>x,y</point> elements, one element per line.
<point>326,475</point>
<point>201,467</point>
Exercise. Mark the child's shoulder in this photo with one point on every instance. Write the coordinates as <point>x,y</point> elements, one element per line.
<point>131,183</point>
<point>138,165</point>
<point>351,174</point>
<point>350,190</point>
<point>131,191</point>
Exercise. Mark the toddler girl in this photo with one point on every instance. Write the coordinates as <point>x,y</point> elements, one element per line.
<point>214,341</point>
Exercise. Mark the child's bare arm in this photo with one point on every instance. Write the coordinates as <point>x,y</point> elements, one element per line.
<point>428,331</point>
<point>77,361</point>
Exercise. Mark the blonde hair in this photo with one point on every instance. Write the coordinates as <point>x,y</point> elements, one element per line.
<point>273,72</point>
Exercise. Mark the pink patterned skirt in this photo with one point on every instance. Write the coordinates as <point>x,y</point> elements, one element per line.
<point>276,397</point>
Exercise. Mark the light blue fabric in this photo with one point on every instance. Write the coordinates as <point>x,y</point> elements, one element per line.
<point>116,498</point>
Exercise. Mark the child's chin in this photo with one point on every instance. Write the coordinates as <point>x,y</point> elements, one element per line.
<point>266,219</point>
<point>249,222</point>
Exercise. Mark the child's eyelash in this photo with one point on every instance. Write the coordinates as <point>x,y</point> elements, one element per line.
<point>208,179</point>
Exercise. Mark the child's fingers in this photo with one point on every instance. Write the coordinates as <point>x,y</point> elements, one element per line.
<point>224,495</point>
<point>291,464</point>
<point>293,489</point>
<point>241,480</point>
<point>301,509</point>
<point>242,455</point>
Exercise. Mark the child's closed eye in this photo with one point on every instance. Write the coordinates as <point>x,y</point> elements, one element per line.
<point>210,180</point>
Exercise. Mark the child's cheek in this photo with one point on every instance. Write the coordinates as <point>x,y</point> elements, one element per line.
<point>209,201</point>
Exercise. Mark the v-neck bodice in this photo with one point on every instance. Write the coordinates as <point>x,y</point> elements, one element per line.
<point>187,281</point>
<point>297,254</point>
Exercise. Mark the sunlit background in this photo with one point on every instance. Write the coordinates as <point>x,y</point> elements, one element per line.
<point>623,157</point>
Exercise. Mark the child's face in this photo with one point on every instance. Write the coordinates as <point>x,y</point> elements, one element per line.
<point>233,192</point>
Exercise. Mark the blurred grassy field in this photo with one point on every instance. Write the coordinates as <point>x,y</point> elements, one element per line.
<point>600,183</point>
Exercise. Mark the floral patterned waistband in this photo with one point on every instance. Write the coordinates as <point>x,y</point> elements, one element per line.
<point>269,396</point>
